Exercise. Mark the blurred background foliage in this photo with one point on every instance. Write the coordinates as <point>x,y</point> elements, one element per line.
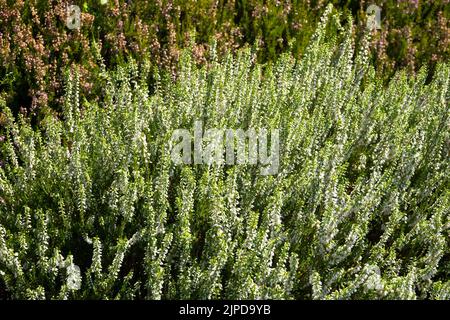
<point>36,45</point>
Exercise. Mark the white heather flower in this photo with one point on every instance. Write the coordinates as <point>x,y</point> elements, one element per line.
<point>73,277</point>
<point>373,282</point>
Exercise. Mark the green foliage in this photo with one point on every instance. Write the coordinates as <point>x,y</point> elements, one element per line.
<point>35,43</point>
<point>91,205</point>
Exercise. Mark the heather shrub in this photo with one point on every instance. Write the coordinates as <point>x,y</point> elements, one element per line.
<point>36,45</point>
<point>92,205</point>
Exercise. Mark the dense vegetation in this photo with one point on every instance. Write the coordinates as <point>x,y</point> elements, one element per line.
<point>36,45</point>
<point>92,206</point>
